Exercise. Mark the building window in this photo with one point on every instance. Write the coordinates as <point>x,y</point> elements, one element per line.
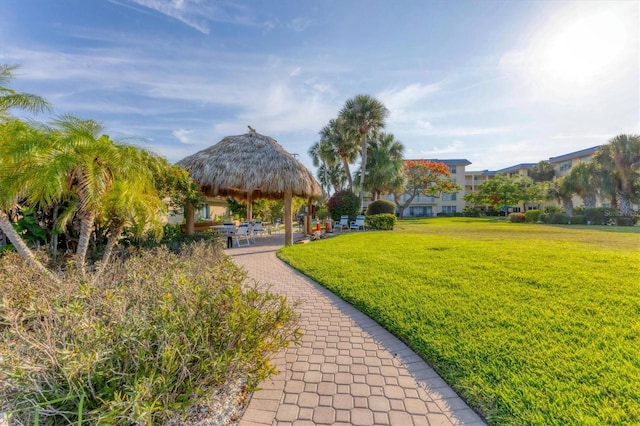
<point>452,170</point>
<point>448,209</point>
<point>449,197</point>
<point>565,165</point>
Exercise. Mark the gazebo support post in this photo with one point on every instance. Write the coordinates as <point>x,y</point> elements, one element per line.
<point>191,219</point>
<point>249,209</point>
<point>309,216</point>
<point>288,222</point>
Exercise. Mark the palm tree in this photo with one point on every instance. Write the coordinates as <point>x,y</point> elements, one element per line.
<point>11,99</point>
<point>338,145</point>
<point>585,182</point>
<point>620,160</point>
<point>72,162</point>
<point>385,165</point>
<point>18,133</point>
<point>562,189</point>
<point>363,116</point>
<point>11,129</point>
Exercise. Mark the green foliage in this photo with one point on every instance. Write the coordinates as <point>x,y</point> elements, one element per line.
<point>517,217</point>
<point>382,221</point>
<point>322,214</point>
<point>29,228</point>
<point>343,202</point>
<point>578,220</point>
<point>555,218</point>
<point>531,324</point>
<point>542,172</point>
<point>381,207</point>
<point>533,216</point>
<point>626,220</point>
<point>600,215</point>
<point>502,190</point>
<point>160,331</point>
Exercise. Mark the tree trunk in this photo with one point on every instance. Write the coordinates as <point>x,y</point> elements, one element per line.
<point>589,201</point>
<point>115,232</point>
<point>21,247</point>
<point>345,164</point>
<point>86,228</point>
<point>363,168</point>
<point>624,204</point>
<point>567,205</point>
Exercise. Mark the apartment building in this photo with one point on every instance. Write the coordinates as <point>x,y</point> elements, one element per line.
<point>425,206</point>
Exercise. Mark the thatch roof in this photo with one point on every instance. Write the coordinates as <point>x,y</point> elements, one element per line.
<point>250,166</point>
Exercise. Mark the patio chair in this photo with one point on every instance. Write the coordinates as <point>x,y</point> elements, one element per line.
<point>342,224</point>
<point>243,231</point>
<point>357,224</point>
<point>258,229</point>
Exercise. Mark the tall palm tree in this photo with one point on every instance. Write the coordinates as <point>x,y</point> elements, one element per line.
<point>363,116</point>
<point>585,182</point>
<point>620,160</point>
<point>385,165</point>
<point>337,144</point>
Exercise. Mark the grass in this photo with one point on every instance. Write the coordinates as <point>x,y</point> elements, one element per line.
<point>531,324</point>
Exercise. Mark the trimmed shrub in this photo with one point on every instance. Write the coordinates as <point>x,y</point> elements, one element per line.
<point>138,347</point>
<point>322,214</point>
<point>578,220</point>
<point>533,216</point>
<point>384,221</point>
<point>517,217</point>
<point>343,202</point>
<point>381,207</point>
<point>600,215</point>
<point>626,220</point>
<point>555,218</point>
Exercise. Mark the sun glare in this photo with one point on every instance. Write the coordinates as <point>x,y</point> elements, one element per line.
<point>577,52</point>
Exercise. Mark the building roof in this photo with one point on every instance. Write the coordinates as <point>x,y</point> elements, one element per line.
<point>516,168</point>
<point>449,162</point>
<point>576,154</point>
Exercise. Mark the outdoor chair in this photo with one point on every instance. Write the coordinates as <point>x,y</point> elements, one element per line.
<point>343,223</point>
<point>357,224</point>
<point>258,229</point>
<point>243,231</point>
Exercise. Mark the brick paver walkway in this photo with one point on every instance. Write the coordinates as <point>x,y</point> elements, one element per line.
<point>348,370</point>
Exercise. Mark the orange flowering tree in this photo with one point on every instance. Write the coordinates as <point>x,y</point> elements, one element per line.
<point>426,177</point>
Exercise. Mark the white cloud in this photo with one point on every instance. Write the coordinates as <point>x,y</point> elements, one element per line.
<point>299,24</point>
<point>182,135</point>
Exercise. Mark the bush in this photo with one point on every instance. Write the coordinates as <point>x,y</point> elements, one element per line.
<point>322,214</point>
<point>517,217</point>
<point>578,220</point>
<point>533,216</point>
<point>342,203</point>
<point>600,215</point>
<point>555,218</point>
<point>381,207</point>
<point>626,220</point>
<point>138,347</point>
<point>384,221</point>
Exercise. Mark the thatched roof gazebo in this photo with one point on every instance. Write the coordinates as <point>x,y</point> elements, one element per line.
<point>249,167</point>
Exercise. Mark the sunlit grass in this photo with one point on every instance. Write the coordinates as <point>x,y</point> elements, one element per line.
<point>532,324</point>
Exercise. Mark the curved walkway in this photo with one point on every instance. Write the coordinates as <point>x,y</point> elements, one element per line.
<point>348,370</point>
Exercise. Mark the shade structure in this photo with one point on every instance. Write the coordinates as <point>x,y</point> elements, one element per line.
<point>249,167</point>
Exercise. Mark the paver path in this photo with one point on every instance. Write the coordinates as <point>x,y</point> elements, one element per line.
<point>348,370</point>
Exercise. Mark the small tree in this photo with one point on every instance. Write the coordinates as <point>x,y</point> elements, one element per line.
<point>542,172</point>
<point>342,203</point>
<point>502,190</point>
<point>430,178</point>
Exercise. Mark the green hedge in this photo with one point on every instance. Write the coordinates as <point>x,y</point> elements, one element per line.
<point>384,221</point>
<point>381,207</point>
<point>600,215</point>
<point>555,218</point>
<point>533,216</point>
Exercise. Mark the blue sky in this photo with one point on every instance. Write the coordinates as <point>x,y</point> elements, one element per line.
<point>496,82</point>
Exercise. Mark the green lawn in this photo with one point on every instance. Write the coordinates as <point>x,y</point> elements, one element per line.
<point>531,324</point>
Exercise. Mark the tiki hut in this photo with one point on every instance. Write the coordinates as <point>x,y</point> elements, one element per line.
<point>249,167</point>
